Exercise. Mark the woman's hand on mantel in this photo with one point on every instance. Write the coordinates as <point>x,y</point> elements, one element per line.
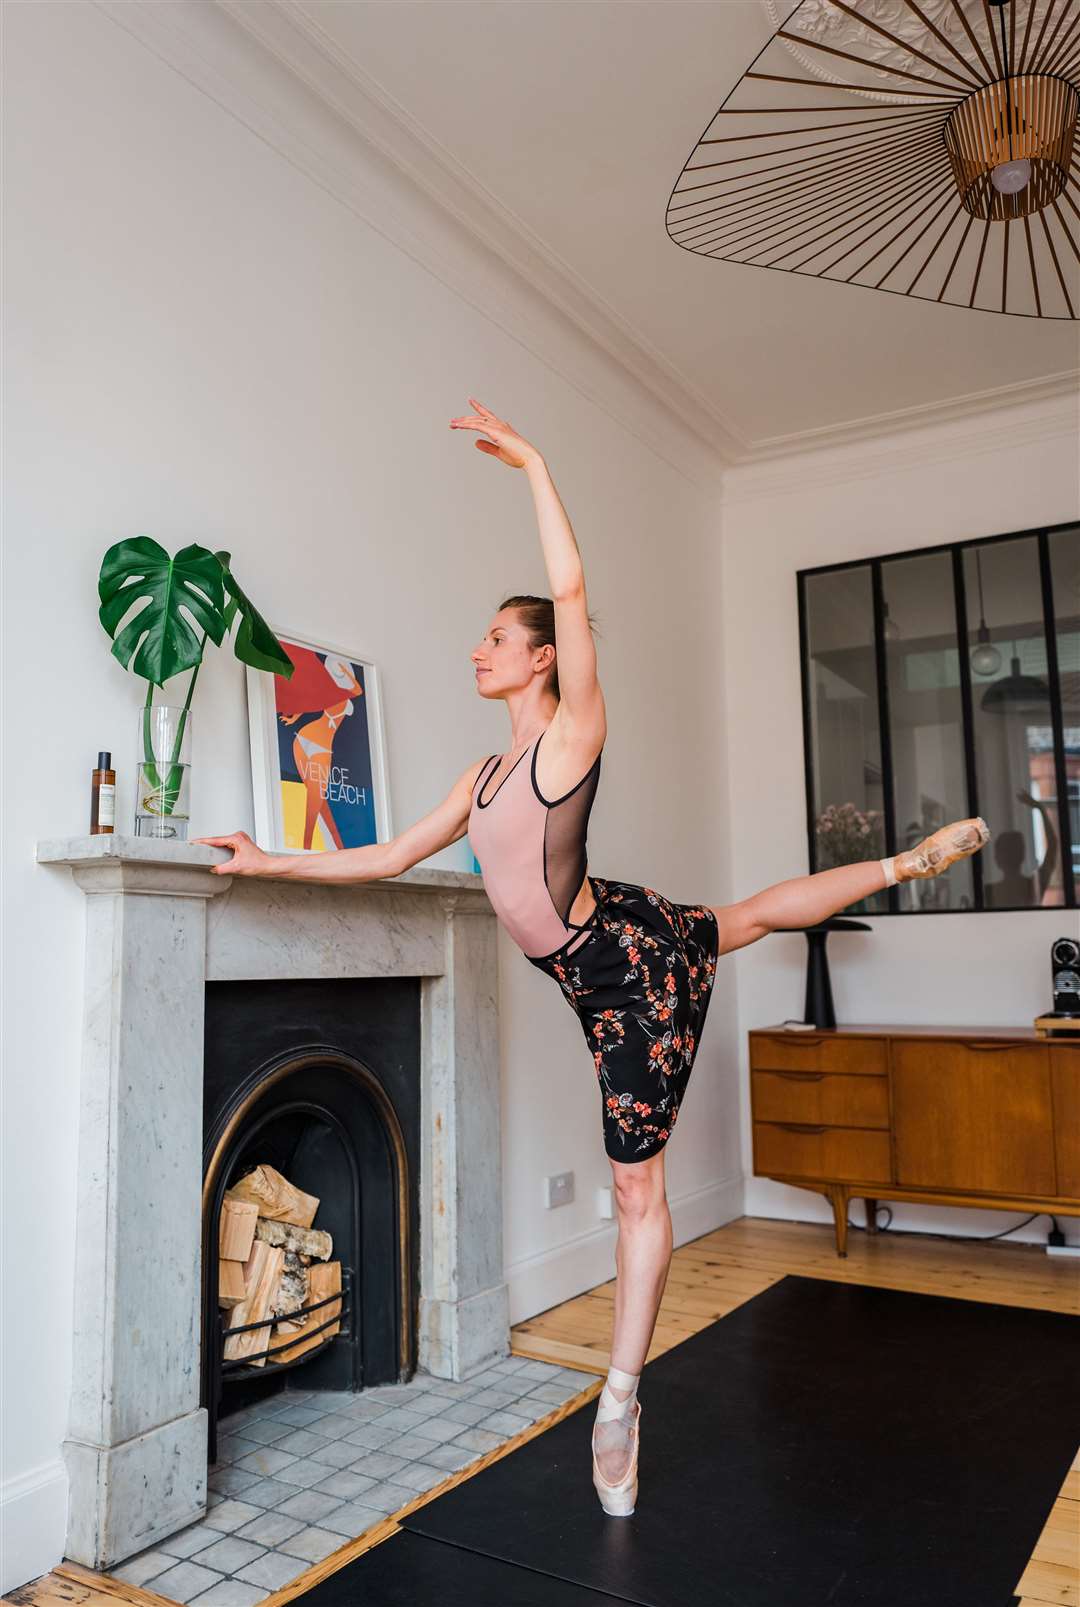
<point>248,858</point>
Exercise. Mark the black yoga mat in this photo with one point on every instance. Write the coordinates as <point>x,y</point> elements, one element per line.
<point>824,1445</point>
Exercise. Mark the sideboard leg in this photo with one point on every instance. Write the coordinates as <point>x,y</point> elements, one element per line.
<point>871,1216</point>
<point>838,1194</point>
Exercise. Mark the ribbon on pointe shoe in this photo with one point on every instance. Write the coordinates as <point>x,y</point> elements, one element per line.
<point>937,852</point>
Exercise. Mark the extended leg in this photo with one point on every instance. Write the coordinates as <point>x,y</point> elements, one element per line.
<point>806,900</point>
<point>642,1258</point>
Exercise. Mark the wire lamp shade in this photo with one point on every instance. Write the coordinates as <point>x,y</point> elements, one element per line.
<point>928,149</point>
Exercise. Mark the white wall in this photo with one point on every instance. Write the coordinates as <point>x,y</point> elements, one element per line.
<point>1012,472</point>
<point>204,345</point>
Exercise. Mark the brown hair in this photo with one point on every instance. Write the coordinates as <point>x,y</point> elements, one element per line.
<point>537,614</point>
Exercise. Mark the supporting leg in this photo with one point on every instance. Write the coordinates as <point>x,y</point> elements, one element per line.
<point>839,1196</point>
<point>871,1215</point>
<point>642,1259</point>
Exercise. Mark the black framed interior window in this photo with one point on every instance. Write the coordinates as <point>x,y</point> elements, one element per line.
<point>941,683</point>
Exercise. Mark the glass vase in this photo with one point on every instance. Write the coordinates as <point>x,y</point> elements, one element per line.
<point>163,775</point>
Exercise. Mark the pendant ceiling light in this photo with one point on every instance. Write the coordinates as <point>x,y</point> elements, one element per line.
<point>1016,693</point>
<point>929,149</point>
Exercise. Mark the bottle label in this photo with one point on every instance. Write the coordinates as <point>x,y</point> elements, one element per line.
<point>106,804</point>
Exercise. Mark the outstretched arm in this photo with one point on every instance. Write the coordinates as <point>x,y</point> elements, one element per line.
<point>581,700</point>
<point>374,861</point>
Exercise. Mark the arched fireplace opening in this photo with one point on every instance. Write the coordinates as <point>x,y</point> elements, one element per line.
<point>320,1116</point>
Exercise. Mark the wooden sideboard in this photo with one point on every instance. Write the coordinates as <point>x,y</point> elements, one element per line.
<point>986,1116</point>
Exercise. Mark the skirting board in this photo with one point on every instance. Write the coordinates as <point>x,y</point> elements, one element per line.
<point>538,1282</point>
<point>33,1524</point>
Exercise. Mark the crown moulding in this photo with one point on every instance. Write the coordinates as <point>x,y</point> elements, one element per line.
<point>267,64</point>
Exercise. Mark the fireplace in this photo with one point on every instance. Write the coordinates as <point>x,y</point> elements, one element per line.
<point>320,1080</point>
<point>352,1029</point>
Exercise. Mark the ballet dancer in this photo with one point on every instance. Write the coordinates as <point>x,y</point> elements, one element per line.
<point>636,968</point>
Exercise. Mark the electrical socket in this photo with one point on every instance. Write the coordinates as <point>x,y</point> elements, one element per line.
<point>558,1189</point>
<point>605,1203</point>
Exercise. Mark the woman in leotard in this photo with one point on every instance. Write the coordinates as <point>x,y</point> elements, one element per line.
<point>636,968</point>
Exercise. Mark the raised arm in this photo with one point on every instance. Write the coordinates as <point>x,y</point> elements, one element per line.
<point>581,706</point>
<point>374,861</point>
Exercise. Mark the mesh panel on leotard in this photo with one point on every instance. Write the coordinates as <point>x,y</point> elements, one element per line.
<point>564,841</point>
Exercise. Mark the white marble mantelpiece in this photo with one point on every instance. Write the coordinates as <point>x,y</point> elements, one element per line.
<point>159,925</point>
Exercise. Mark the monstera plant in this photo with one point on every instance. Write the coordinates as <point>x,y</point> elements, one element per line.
<point>160,640</point>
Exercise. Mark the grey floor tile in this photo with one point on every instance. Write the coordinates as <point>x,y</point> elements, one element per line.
<point>437,1430</point>
<point>381,1465</point>
<point>231,1593</point>
<point>229,1515</point>
<point>311,1505</point>
<point>493,1398</point>
<point>505,1423</point>
<point>387,1498</point>
<point>265,1430</point>
<point>403,1419</point>
<point>300,1442</point>
<point>478,1439</point>
<point>371,1437</point>
<point>332,1400</point>
<point>304,1472</point>
<point>509,1364</point>
<point>230,1481</point>
<point>410,1446</point>
<point>451,1458</point>
<point>147,1565</point>
<point>274,1569</point>
<point>334,1425</point>
<point>420,1476</point>
<point>230,1554</point>
<point>183,1580</point>
<point>338,1454</point>
<point>268,1459</point>
<point>296,1416</point>
<point>289,1393</point>
<point>540,1370</point>
<point>553,1394</point>
<point>452,1389</point>
<point>186,1542</point>
<point>347,1486</point>
<point>268,1493</point>
<point>351,1519</point>
<point>465,1413</point>
<point>312,1544</point>
<point>271,1529</point>
<point>231,1447</point>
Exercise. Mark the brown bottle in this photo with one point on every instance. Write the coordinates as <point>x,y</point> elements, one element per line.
<point>102,795</point>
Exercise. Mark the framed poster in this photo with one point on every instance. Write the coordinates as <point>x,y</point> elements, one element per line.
<point>318,751</point>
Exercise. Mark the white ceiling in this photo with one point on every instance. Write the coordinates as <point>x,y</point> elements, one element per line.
<point>575,118</point>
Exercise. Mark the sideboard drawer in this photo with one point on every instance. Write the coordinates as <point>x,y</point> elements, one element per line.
<point>836,1154</point>
<point>816,1051</point>
<point>820,1096</point>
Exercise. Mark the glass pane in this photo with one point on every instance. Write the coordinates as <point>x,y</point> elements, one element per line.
<point>1014,750</point>
<point>926,718</point>
<point>1065,569</point>
<point>845,739</point>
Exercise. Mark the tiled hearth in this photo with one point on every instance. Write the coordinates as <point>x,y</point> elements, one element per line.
<point>160,931</point>
<point>301,1474</point>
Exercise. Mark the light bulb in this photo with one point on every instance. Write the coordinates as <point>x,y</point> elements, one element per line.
<point>1009,178</point>
<point>985,659</point>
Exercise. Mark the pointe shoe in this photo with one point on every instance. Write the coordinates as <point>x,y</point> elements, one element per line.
<point>618,1499</point>
<point>937,852</point>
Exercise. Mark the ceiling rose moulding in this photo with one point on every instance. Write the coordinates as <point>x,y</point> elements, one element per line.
<point>922,148</point>
<point>271,80</point>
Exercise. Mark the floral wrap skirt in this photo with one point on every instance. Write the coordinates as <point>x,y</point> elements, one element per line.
<point>640,984</point>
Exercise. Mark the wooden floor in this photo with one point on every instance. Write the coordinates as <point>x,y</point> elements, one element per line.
<point>712,1275</point>
<point>708,1278</point>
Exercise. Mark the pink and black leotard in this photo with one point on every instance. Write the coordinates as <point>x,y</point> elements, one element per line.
<point>638,973</point>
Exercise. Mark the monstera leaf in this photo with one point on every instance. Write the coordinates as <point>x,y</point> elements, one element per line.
<point>254,642</point>
<point>160,641</point>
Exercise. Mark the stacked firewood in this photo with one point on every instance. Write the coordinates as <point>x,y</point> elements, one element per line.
<point>273,1263</point>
